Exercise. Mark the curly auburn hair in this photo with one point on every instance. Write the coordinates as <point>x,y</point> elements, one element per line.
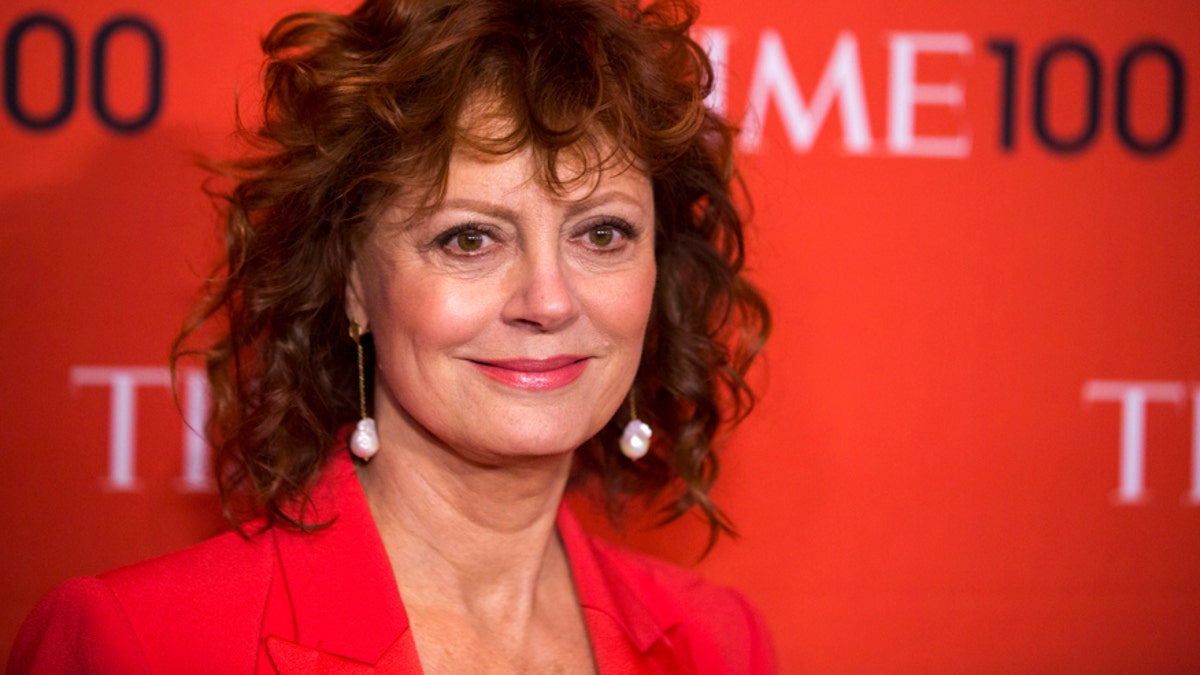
<point>360,107</point>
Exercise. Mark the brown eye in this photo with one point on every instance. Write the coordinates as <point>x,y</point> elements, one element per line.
<point>465,241</point>
<point>469,241</point>
<point>602,236</point>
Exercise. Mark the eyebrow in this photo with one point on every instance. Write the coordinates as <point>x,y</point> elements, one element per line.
<point>574,208</point>
<point>480,206</point>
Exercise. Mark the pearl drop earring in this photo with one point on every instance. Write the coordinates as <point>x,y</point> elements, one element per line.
<point>364,443</point>
<point>635,441</point>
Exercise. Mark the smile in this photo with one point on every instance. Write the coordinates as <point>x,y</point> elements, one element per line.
<point>535,374</point>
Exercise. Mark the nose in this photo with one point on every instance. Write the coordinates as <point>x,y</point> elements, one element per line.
<point>541,296</point>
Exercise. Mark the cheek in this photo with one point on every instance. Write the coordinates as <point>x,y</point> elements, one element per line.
<point>425,314</point>
<point>623,308</point>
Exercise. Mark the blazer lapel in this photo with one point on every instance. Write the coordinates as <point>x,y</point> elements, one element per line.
<point>345,603</point>
<point>290,658</point>
<point>634,627</point>
<point>348,617</point>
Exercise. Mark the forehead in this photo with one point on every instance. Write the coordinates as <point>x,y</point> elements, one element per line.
<point>524,173</point>
<point>491,130</point>
<point>492,152</point>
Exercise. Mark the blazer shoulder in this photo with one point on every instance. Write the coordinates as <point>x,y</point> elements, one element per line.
<point>202,574</point>
<point>78,627</point>
<point>726,632</point>
<point>204,602</point>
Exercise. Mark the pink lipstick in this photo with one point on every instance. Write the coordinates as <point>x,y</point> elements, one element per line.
<point>535,374</point>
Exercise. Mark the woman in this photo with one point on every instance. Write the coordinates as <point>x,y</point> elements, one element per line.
<point>487,249</point>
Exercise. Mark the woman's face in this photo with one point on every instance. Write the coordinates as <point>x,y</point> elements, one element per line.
<point>509,320</point>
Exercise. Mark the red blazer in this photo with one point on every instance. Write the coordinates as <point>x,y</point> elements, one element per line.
<point>327,602</point>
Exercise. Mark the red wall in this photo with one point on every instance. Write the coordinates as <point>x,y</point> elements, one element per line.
<point>979,443</point>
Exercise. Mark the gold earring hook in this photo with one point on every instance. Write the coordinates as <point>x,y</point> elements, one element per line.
<point>356,335</point>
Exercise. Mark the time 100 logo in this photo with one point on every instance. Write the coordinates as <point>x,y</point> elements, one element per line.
<point>69,44</point>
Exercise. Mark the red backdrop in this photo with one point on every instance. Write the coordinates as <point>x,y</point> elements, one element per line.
<point>978,225</point>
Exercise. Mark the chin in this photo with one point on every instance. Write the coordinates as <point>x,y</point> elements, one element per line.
<point>532,440</point>
<point>541,446</point>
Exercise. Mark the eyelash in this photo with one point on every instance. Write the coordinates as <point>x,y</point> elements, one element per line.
<point>627,231</point>
<point>445,240</point>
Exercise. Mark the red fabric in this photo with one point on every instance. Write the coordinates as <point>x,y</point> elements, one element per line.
<point>327,602</point>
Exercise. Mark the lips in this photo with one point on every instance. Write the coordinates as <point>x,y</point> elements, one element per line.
<point>535,374</point>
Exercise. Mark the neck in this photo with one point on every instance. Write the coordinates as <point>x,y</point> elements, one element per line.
<point>477,535</point>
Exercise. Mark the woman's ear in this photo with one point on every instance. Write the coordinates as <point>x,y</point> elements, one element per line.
<point>356,309</point>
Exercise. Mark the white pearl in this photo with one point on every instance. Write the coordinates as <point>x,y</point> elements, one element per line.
<point>635,441</point>
<point>364,443</point>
